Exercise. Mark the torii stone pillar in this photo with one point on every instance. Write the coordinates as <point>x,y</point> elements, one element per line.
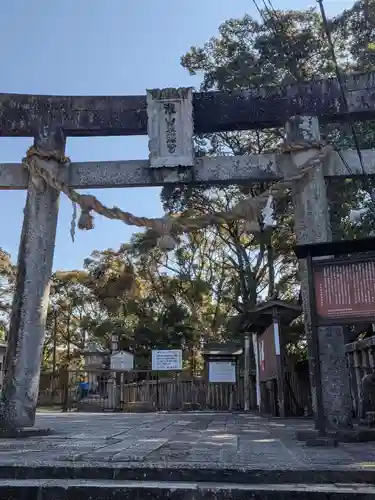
<point>30,302</point>
<point>312,225</point>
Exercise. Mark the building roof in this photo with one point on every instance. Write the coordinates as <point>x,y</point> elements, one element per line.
<point>260,317</point>
<point>226,349</point>
<point>282,306</point>
<point>94,348</point>
<point>122,351</point>
<point>335,247</point>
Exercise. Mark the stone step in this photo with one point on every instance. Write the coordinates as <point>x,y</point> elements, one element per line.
<point>112,490</point>
<point>246,476</point>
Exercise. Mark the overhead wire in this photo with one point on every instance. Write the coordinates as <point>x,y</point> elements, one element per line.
<point>367,24</point>
<point>271,18</point>
<point>327,30</point>
<point>275,15</point>
<point>272,15</point>
<point>263,17</point>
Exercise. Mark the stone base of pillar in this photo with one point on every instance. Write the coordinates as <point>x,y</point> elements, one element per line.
<point>319,441</point>
<point>335,378</point>
<point>358,434</point>
<point>24,433</point>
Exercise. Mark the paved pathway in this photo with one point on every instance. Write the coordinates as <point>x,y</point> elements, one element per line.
<point>188,440</point>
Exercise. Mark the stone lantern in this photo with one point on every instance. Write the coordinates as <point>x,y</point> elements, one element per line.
<point>95,358</point>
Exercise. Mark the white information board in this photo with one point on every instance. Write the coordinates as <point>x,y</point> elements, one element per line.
<point>122,361</point>
<point>222,371</point>
<point>163,360</point>
<point>276,337</point>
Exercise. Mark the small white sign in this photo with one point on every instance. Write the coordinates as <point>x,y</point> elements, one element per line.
<point>276,337</point>
<point>164,360</point>
<point>122,361</point>
<point>222,372</point>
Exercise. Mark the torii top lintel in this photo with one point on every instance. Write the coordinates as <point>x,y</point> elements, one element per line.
<point>20,114</point>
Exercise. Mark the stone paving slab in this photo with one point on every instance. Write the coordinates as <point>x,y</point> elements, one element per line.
<point>219,446</point>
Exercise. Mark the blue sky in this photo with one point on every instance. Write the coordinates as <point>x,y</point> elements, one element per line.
<point>102,47</point>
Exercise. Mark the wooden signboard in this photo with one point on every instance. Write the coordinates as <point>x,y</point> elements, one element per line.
<point>345,291</point>
<point>267,355</point>
<point>222,372</point>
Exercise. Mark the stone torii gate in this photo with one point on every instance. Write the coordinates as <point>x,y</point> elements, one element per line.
<point>170,117</point>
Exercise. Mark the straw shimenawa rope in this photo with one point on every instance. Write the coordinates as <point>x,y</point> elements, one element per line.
<point>168,227</point>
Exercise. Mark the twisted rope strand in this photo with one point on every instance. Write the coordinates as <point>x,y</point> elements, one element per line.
<point>167,227</point>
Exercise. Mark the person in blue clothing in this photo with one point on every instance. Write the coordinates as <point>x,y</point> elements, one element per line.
<point>83,388</point>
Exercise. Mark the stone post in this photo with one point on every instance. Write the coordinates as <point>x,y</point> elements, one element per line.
<point>111,391</point>
<point>312,225</point>
<point>30,302</point>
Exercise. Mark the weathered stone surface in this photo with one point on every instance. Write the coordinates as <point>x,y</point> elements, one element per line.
<point>132,443</point>
<point>207,170</point>
<point>136,173</point>
<point>170,127</point>
<point>312,225</point>
<point>109,490</point>
<point>29,309</point>
<point>213,111</point>
<point>335,377</point>
<point>319,441</point>
<point>335,167</point>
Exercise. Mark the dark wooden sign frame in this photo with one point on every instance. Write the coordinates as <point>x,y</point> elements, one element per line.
<point>341,253</point>
<point>344,290</point>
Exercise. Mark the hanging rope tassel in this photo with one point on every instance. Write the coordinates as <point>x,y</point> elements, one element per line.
<point>167,228</point>
<point>86,220</point>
